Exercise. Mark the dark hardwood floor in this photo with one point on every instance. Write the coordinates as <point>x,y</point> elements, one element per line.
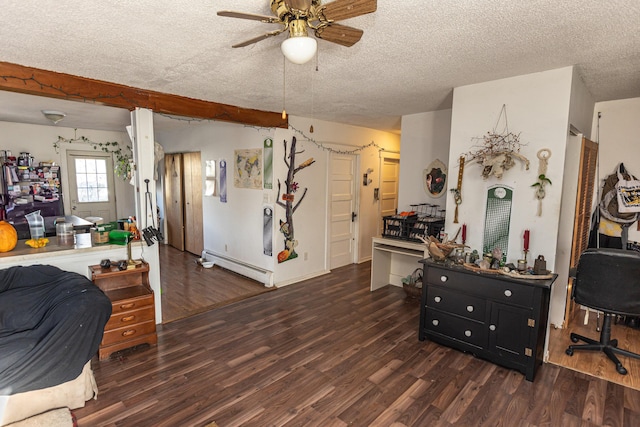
<point>188,288</point>
<point>328,352</point>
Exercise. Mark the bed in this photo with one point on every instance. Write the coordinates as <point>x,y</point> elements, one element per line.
<point>51,325</point>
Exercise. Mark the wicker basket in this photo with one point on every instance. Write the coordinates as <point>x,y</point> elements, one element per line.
<point>413,291</point>
<point>412,284</point>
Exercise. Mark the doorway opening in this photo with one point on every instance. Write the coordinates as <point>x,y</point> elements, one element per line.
<point>342,209</point>
<point>91,185</point>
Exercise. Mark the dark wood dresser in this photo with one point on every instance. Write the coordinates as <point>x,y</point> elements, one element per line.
<point>492,316</point>
<point>133,319</point>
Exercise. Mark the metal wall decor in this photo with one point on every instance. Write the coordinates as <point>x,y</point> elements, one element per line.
<point>497,220</point>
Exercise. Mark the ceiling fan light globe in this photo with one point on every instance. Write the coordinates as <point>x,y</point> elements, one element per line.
<point>299,50</point>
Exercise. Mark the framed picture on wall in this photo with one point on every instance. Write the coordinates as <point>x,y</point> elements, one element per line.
<point>434,178</point>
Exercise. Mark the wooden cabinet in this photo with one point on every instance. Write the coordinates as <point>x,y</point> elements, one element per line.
<point>133,320</point>
<point>495,317</point>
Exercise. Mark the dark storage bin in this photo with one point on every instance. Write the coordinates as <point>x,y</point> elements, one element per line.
<point>425,227</point>
<point>398,226</point>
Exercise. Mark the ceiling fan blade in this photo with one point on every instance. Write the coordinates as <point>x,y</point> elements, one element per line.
<point>259,38</point>
<point>298,4</point>
<point>262,18</point>
<point>340,34</point>
<point>345,9</point>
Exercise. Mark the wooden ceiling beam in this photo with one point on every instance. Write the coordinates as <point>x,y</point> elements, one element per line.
<point>34,81</point>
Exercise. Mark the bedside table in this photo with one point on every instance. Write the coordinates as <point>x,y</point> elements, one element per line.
<point>133,320</point>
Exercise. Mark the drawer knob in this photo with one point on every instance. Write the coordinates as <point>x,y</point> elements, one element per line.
<point>467,333</point>
<point>128,332</point>
<point>437,299</point>
<point>492,327</point>
<point>435,322</point>
<point>127,318</point>
<point>443,278</point>
<point>470,308</point>
<point>126,306</point>
<point>507,293</point>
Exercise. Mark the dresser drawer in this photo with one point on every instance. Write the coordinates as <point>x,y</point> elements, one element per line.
<point>455,327</point>
<point>128,332</point>
<point>129,304</point>
<point>494,288</point>
<point>456,303</point>
<point>122,319</point>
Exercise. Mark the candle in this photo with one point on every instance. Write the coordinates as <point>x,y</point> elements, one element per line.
<point>464,233</point>
<point>526,240</point>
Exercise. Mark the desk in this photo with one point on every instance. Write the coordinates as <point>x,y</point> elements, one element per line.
<point>394,259</point>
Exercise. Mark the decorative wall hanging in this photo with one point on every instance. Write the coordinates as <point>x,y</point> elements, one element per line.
<point>457,192</point>
<point>543,156</point>
<point>247,171</point>
<point>288,198</point>
<point>223,181</point>
<point>499,150</point>
<point>434,178</point>
<point>497,221</point>
<point>268,163</point>
<point>267,230</point>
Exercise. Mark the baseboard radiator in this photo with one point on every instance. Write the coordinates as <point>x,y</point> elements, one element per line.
<point>251,271</point>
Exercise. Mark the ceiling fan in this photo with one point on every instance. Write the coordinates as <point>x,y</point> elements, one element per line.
<point>298,16</point>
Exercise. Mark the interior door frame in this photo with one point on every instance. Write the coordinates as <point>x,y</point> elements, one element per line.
<point>72,195</point>
<point>356,205</point>
<point>394,155</point>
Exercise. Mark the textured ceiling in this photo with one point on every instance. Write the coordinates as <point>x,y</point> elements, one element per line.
<point>412,54</point>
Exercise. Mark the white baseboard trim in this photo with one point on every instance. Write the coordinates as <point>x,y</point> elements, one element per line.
<point>251,271</point>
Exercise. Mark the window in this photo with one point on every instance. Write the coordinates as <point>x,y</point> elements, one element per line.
<point>91,179</point>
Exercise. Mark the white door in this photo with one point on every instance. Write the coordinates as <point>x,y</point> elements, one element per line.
<point>342,193</point>
<point>91,185</point>
<point>389,188</point>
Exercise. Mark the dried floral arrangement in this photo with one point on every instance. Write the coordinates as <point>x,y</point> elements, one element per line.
<point>497,151</point>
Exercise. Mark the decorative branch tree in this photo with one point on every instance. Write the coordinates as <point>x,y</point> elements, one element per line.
<point>287,199</point>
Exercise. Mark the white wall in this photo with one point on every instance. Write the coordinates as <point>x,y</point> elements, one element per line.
<point>238,223</point>
<point>580,117</point>
<point>425,138</point>
<point>233,229</point>
<point>537,108</point>
<point>347,138</point>
<point>38,140</point>
<point>619,135</point>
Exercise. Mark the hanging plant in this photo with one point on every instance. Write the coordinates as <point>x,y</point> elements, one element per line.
<point>123,156</point>
<point>542,181</point>
<point>543,155</point>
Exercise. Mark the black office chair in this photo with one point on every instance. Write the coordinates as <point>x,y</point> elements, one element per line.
<point>607,280</point>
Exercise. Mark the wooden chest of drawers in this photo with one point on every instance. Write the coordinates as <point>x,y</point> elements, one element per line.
<point>495,317</point>
<point>132,320</point>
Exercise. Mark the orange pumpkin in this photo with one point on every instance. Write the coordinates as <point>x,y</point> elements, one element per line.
<point>8,236</point>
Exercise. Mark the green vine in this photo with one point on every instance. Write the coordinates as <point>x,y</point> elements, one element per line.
<point>123,156</point>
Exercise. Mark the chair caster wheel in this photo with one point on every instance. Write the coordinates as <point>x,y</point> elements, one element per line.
<point>574,338</point>
<point>621,370</point>
<point>569,351</point>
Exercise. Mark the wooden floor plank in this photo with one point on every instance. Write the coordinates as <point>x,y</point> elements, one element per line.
<point>327,352</point>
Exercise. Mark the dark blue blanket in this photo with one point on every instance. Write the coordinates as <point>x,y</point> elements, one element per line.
<point>51,325</point>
